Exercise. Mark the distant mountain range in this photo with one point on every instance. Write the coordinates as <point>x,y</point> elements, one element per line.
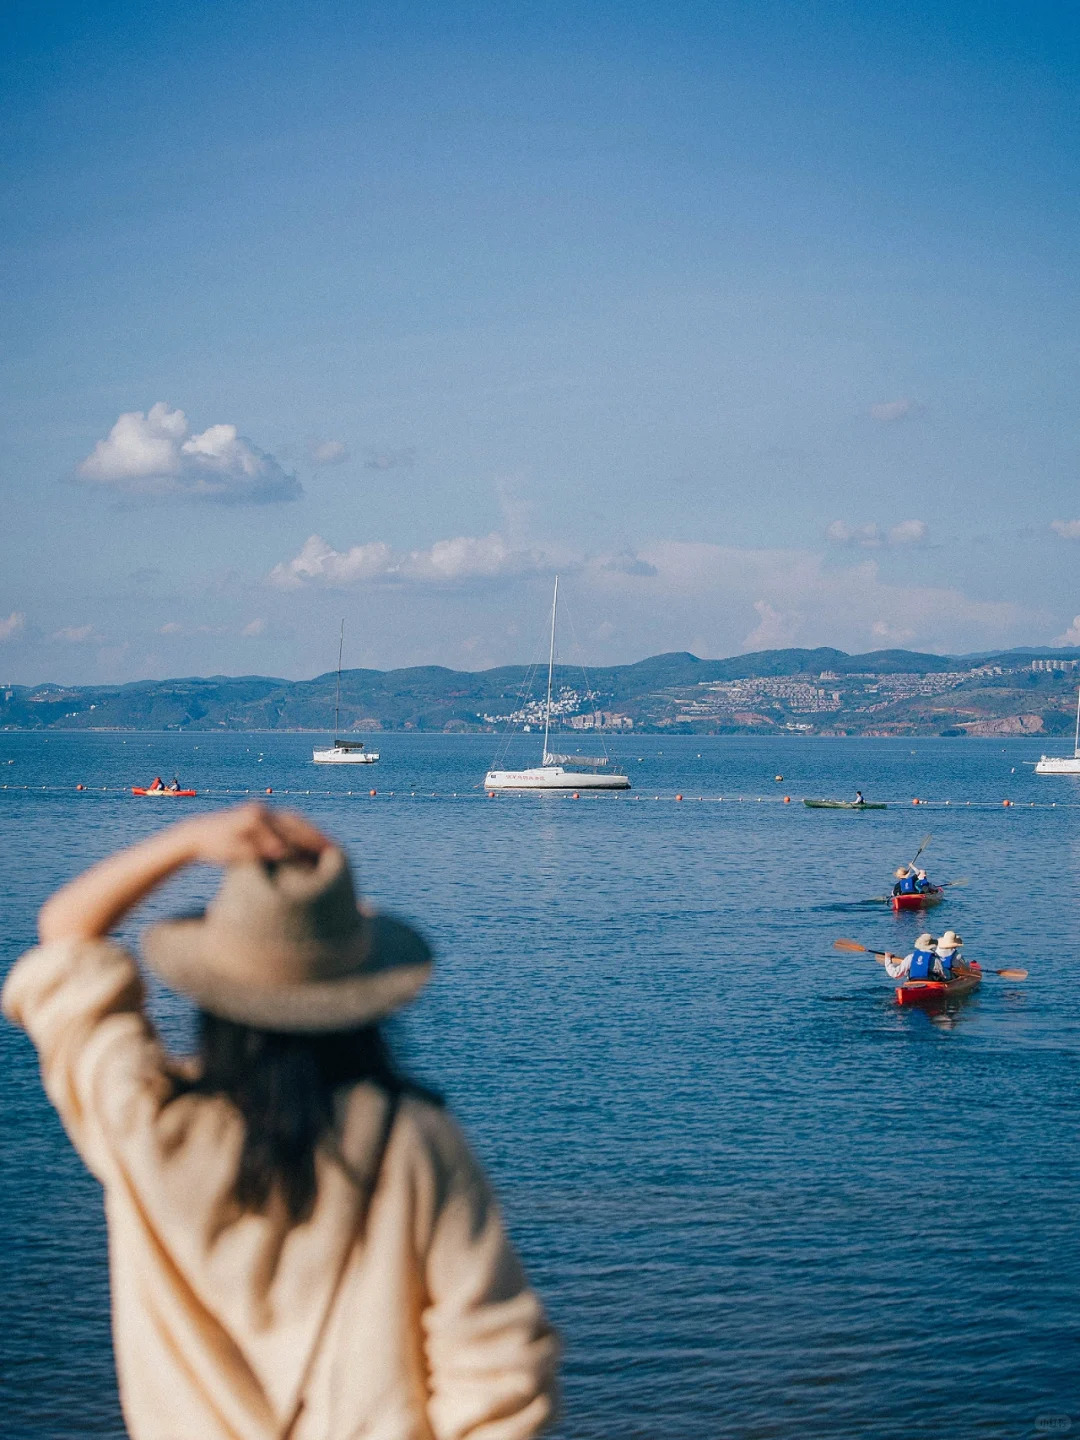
<point>828,689</point>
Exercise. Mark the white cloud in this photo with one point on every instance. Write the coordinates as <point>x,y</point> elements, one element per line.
<point>888,411</point>
<point>839,533</point>
<point>76,634</point>
<point>871,537</point>
<point>15,622</point>
<point>1071,636</point>
<point>487,557</point>
<point>891,636</point>
<point>329,452</point>
<point>156,455</point>
<point>253,628</point>
<point>1067,529</point>
<point>776,629</point>
<point>909,532</point>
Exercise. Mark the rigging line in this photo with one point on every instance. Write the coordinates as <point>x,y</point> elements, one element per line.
<point>524,694</point>
<point>337,693</point>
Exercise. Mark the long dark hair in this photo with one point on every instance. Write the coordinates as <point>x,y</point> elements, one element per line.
<point>283,1085</point>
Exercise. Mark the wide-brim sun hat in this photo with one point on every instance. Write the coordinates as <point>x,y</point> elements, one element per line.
<point>924,941</point>
<point>901,874</point>
<point>285,946</point>
<point>950,941</point>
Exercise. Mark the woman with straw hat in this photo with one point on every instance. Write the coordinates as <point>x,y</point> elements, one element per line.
<point>301,1243</point>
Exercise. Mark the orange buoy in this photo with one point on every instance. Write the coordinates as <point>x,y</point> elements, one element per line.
<point>372,792</point>
<point>576,796</point>
<point>1006,802</point>
<point>678,797</point>
<point>916,802</point>
<point>269,789</point>
<point>80,787</point>
<point>787,799</point>
<point>491,794</point>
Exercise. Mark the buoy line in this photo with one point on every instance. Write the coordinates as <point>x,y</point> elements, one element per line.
<point>477,793</point>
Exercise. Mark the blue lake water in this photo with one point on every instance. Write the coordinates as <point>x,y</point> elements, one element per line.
<point>759,1199</point>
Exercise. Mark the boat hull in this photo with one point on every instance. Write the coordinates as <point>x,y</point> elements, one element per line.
<point>157,794</point>
<point>1058,765</point>
<point>553,777</point>
<point>930,993</point>
<point>922,901</point>
<point>845,805</point>
<point>344,757</point>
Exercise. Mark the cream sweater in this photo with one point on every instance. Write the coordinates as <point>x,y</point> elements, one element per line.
<point>433,1333</point>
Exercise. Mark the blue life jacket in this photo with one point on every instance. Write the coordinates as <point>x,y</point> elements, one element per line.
<point>907,885</point>
<point>922,962</point>
<point>922,886</point>
<point>945,960</point>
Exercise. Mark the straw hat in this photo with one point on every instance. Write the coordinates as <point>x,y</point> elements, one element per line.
<point>950,941</point>
<point>901,874</point>
<point>286,947</point>
<point>924,941</point>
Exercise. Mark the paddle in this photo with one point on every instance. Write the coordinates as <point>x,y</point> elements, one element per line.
<point>854,946</point>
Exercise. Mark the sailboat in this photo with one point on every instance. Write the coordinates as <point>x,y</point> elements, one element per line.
<point>1063,764</point>
<point>343,752</point>
<point>557,772</point>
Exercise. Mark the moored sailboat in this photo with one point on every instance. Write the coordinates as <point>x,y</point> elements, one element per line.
<point>1063,764</point>
<point>343,752</point>
<point>557,772</point>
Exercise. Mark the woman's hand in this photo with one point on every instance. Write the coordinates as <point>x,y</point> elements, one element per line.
<point>251,832</point>
<point>90,905</point>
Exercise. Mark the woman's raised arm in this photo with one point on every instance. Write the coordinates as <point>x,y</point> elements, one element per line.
<point>89,906</point>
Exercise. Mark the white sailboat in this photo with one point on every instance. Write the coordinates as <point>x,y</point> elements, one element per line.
<point>557,772</point>
<point>1063,764</point>
<point>343,752</point>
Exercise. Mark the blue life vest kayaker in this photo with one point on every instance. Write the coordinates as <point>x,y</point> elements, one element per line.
<point>948,954</point>
<point>905,882</point>
<point>922,884</point>
<point>919,965</point>
<point>922,958</point>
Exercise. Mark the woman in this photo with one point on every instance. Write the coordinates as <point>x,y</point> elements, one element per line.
<point>301,1244</point>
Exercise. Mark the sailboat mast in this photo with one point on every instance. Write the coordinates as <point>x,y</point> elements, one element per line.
<point>1076,742</point>
<point>337,695</point>
<point>551,664</point>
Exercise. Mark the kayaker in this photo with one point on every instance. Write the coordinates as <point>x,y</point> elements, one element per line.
<point>948,954</point>
<point>905,881</point>
<point>922,884</point>
<point>919,965</point>
<point>859,798</point>
<point>173,785</point>
<point>157,783</point>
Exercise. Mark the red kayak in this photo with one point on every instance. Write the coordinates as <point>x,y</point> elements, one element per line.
<point>920,900</point>
<point>172,794</point>
<point>937,992</point>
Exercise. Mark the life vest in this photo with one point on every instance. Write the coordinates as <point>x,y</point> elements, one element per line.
<point>922,962</point>
<point>907,885</point>
<point>922,886</point>
<point>945,959</point>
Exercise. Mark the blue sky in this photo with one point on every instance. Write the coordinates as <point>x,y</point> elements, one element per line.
<point>756,321</point>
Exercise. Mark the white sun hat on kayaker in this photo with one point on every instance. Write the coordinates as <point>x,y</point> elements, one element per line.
<point>922,875</point>
<point>950,941</point>
<point>925,941</point>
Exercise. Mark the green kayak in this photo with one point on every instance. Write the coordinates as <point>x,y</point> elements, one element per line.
<point>845,804</point>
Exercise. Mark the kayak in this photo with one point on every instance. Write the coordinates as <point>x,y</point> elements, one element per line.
<point>154,794</point>
<point>921,900</point>
<point>937,992</point>
<point>845,805</point>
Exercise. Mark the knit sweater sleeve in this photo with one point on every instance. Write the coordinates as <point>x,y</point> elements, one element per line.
<point>81,1003</point>
<point>491,1352</point>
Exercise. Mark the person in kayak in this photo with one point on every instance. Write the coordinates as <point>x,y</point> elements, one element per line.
<point>905,881</point>
<point>157,783</point>
<point>919,965</point>
<point>859,798</point>
<point>174,785</point>
<point>948,955</point>
<point>922,884</point>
